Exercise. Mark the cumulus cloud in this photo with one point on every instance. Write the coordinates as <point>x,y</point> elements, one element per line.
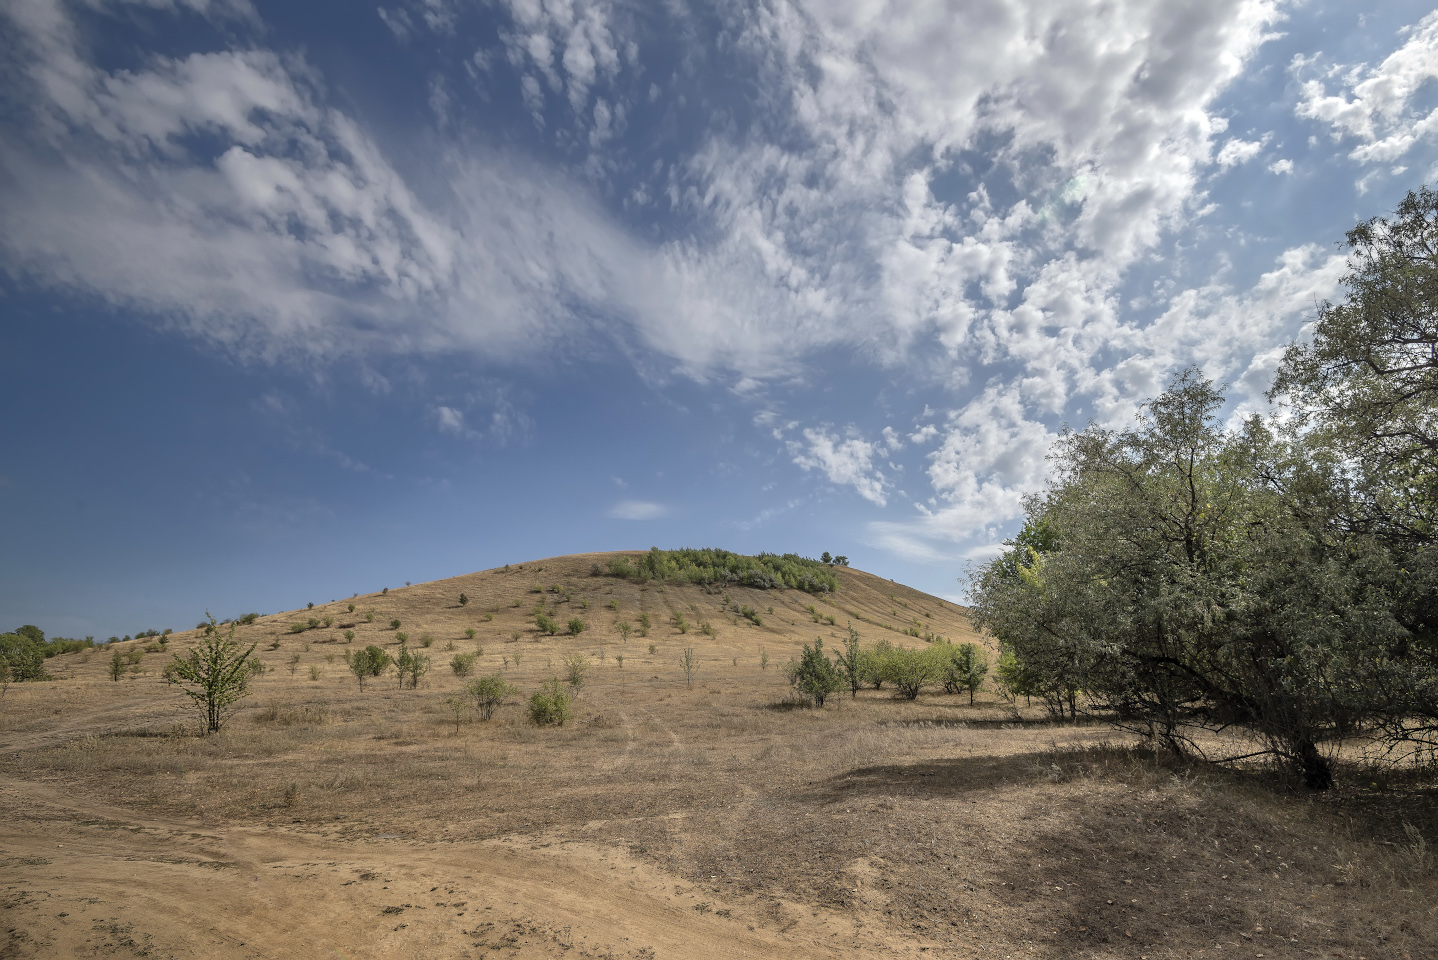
<point>637,510</point>
<point>848,461</point>
<point>1236,152</point>
<point>1380,106</point>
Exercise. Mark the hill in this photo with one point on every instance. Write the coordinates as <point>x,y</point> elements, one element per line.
<point>668,819</point>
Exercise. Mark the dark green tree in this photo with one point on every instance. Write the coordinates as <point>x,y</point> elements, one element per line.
<point>814,677</point>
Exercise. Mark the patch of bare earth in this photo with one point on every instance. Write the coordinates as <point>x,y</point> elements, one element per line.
<point>667,821</point>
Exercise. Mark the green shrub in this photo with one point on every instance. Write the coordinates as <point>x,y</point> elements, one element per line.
<point>463,664</point>
<point>402,637</point>
<point>963,667</point>
<point>576,665</point>
<point>814,675</point>
<point>351,608</point>
<point>369,662</point>
<point>624,630</point>
<point>613,605</point>
<point>463,600</point>
<point>705,628</point>
<point>369,616</point>
<point>426,640</point>
<point>546,624</point>
<point>766,571</point>
<point>619,659</point>
<point>680,623</point>
<point>652,648</point>
<point>689,663</point>
<point>489,694</point>
<point>752,615</point>
<point>411,666</point>
<point>549,706</point>
<point>314,673</point>
<point>314,623</point>
<point>349,636</point>
<point>250,618</point>
<point>394,624</point>
<point>117,666</point>
<point>213,674</point>
<point>25,656</point>
<point>576,626</point>
<point>488,618</point>
<point>328,622</point>
<point>911,671</point>
<point>298,627</point>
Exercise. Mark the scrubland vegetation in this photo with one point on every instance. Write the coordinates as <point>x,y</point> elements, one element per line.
<point>1200,722</point>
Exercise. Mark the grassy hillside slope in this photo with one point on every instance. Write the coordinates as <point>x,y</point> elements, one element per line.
<point>667,820</point>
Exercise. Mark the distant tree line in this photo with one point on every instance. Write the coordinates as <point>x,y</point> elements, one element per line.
<point>1279,578</point>
<point>710,566</point>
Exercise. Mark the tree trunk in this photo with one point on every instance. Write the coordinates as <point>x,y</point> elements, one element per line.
<point>1317,772</point>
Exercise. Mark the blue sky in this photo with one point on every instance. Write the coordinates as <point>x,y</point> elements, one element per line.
<point>303,300</point>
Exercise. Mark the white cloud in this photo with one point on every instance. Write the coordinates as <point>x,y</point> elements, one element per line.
<point>1376,105</point>
<point>846,461</point>
<point>1281,167</point>
<point>1236,152</point>
<point>637,510</point>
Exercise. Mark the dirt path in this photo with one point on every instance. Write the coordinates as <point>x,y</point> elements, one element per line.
<point>82,879</point>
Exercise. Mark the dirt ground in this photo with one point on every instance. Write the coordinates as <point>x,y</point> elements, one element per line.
<point>667,820</point>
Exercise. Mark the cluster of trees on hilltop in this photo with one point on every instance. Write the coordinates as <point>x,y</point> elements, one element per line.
<point>710,566</point>
<point>1281,578</point>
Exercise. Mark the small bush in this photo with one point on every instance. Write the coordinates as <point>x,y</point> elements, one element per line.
<point>349,636</point>
<point>652,648</point>
<point>546,624</point>
<point>425,640</point>
<point>314,673</point>
<point>248,618</point>
<point>298,627</point>
<point>309,606</point>
<point>489,694</point>
<point>394,624</point>
<point>689,663</point>
<point>680,623</point>
<point>411,666</point>
<point>576,665</point>
<point>814,676</point>
<point>463,664</point>
<point>369,662</point>
<point>351,608</point>
<point>619,659</point>
<point>402,637</point>
<point>463,600</point>
<point>705,628</point>
<point>369,616</point>
<point>576,626</point>
<point>469,633</point>
<point>911,671</point>
<point>752,615</point>
<point>613,605</point>
<point>488,618</point>
<point>550,705</point>
<point>624,630</point>
<point>328,622</point>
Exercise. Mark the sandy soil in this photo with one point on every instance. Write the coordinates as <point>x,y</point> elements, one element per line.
<point>668,820</point>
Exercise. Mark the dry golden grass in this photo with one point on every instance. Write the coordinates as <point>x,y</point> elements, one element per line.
<point>737,824</point>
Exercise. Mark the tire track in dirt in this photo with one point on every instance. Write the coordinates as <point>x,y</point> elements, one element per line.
<point>81,878</point>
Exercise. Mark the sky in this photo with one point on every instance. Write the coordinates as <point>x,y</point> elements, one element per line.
<point>305,300</point>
